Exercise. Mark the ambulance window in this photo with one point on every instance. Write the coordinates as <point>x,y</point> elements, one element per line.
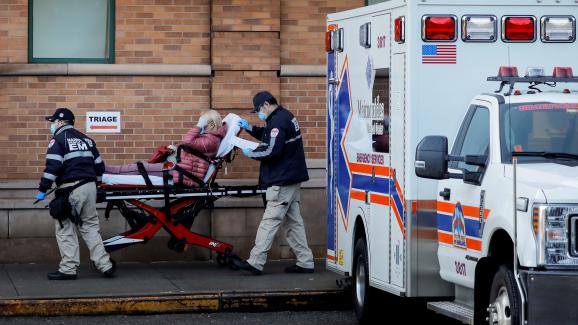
<point>377,112</point>
<point>476,140</point>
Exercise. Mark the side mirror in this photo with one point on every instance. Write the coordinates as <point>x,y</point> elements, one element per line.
<point>431,159</point>
<point>476,160</point>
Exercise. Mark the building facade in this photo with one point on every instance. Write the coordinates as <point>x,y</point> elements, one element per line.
<point>159,63</point>
<point>171,59</point>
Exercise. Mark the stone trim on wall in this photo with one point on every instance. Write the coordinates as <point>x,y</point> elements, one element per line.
<point>77,69</point>
<point>190,70</point>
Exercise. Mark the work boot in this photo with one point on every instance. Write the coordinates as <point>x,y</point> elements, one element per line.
<point>298,269</point>
<point>61,276</point>
<point>176,245</point>
<point>244,265</point>
<point>110,272</point>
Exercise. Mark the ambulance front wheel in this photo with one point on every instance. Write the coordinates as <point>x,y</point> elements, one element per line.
<point>504,308</point>
<point>363,300</point>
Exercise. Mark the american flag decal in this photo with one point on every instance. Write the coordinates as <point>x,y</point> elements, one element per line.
<point>438,54</point>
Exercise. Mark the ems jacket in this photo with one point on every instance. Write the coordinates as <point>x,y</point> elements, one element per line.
<point>281,150</point>
<point>71,156</point>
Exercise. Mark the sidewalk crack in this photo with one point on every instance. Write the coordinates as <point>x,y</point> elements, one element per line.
<point>166,278</point>
<point>11,281</point>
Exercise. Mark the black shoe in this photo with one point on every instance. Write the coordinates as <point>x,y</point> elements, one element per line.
<point>61,276</point>
<point>176,245</point>
<point>110,272</point>
<point>244,265</point>
<point>298,269</point>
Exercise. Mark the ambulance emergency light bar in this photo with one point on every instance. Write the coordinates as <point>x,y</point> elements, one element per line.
<point>534,76</point>
<point>484,28</point>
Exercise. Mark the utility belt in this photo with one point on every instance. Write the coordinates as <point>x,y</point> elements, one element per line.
<point>60,207</point>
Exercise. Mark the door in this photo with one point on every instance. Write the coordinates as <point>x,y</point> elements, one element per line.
<point>376,114</point>
<point>397,172</point>
<point>332,141</point>
<point>459,223</point>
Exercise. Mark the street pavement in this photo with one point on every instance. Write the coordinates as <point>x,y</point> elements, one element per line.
<point>29,281</point>
<point>310,318</point>
<point>167,287</point>
<point>185,292</point>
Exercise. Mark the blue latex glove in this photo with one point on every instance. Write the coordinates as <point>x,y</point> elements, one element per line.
<point>40,196</point>
<point>244,124</point>
<point>247,151</point>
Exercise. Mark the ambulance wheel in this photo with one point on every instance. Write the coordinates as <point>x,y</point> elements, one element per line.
<point>363,299</point>
<point>505,303</point>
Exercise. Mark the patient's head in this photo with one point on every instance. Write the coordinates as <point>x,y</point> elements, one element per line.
<point>214,120</point>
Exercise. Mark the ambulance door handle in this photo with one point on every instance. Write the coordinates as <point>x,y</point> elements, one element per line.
<point>446,193</point>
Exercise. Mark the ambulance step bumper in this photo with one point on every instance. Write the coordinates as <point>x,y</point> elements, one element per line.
<point>453,310</point>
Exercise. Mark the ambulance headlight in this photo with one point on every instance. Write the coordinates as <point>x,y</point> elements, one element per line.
<point>479,28</point>
<point>558,29</point>
<point>556,228</point>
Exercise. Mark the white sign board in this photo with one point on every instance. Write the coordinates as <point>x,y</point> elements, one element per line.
<point>103,122</point>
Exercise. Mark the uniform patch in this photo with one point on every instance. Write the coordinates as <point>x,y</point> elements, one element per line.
<point>51,143</point>
<point>274,132</point>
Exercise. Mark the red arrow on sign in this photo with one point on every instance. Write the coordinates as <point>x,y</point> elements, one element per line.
<point>104,127</point>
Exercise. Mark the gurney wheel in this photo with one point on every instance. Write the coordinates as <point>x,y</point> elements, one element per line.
<point>222,259</point>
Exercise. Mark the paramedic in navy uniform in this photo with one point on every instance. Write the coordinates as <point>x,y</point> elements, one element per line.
<point>282,171</point>
<point>72,158</point>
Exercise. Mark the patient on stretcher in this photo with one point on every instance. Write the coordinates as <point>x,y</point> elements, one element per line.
<point>205,138</point>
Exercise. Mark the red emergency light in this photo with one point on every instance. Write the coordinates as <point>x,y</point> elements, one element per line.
<point>329,41</point>
<point>508,72</point>
<point>562,72</point>
<point>519,29</point>
<point>400,29</point>
<point>439,28</point>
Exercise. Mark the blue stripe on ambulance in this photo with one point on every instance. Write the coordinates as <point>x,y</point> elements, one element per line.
<point>472,226</point>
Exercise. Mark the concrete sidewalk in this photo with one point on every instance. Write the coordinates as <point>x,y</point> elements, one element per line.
<point>166,287</point>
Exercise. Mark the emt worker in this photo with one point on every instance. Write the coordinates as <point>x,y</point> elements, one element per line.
<point>73,163</point>
<point>282,171</point>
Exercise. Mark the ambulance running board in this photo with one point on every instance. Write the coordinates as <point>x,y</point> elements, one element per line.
<point>453,310</point>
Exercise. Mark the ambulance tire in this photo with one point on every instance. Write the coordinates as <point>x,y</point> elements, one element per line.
<point>505,296</point>
<point>362,294</point>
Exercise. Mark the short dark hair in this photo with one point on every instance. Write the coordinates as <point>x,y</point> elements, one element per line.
<point>272,101</point>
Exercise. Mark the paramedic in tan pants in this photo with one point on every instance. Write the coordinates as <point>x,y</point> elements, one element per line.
<point>282,171</point>
<point>75,165</point>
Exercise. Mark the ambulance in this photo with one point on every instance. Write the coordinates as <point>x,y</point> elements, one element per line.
<point>452,157</point>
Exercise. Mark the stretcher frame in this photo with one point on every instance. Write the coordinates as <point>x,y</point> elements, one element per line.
<point>180,204</point>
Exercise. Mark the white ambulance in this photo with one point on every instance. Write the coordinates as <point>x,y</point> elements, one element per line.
<point>489,230</point>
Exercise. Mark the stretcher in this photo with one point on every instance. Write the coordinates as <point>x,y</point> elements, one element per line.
<point>180,205</point>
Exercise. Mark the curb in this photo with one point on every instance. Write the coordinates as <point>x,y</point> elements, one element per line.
<point>199,303</point>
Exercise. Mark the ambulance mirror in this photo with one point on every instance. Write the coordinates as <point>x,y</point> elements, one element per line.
<point>476,160</point>
<point>431,158</point>
<point>474,178</point>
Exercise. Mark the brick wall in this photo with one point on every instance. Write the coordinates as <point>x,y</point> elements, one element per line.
<point>244,41</point>
<point>305,97</point>
<point>155,111</point>
<point>13,31</point>
<point>303,28</point>
<point>162,31</point>
<point>243,15</point>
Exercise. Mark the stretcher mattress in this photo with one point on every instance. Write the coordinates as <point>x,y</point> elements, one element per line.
<point>112,179</point>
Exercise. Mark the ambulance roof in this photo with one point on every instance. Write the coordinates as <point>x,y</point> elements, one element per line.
<point>544,97</point>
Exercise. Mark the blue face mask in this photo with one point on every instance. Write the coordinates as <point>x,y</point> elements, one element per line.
<point>53,128</point>
<point>262,116</point>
